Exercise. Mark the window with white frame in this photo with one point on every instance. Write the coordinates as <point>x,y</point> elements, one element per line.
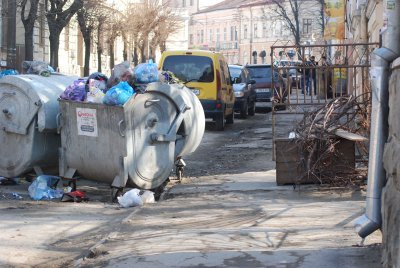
<point>210,37</point>
<point>264,30</point>
<point>245,31</point>
<point>255,30</point>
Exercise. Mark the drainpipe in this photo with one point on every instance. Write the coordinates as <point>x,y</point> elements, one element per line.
<point>381,58</point>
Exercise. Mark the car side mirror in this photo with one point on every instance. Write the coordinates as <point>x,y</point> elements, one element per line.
<point>252,82</point>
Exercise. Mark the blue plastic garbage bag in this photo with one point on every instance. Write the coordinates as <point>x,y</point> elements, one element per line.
<point>76,91</point>
<point>8,72</point>
<point>146,72</point>
<point>44,188</point>
<point>118,94</point>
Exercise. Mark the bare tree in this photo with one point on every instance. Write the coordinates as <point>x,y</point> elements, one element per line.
<point>57,19</point>
<point>150,24</point>
<point>290,14</point>
<point>28,18</point>
<point>88,18</point>
<point>292,11</point>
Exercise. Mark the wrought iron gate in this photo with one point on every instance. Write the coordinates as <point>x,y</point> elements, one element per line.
<point>302,85</point>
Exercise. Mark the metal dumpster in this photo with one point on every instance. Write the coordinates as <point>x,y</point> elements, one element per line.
<point>136,143</point>
<point>28,110</point>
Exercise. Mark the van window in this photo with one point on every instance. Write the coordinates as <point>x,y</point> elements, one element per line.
<point>190,67</point>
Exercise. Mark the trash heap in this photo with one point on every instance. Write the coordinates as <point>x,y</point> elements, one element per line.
<point>123,84</point>
<point>315,138</point>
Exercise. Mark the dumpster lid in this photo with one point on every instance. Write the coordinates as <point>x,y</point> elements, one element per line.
<point>18,106</point>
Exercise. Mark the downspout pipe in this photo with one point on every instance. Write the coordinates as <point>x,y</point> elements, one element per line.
<point>381,59</point>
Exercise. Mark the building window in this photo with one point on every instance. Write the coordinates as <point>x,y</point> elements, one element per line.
<point>191,2</point>
<point>224,34</point>
<point>211,35</point>
<point>66,37</point>
<point>245,31</point>
<point>264,30</point>
<point>232,33</point>
<point>255,30</point>
<point>191,39</point>
<point>42,25</point>
<point>183,3</point>
<point>277,28</point>
<point>198,37</point>
<point>307,26</point>
<point>236,34</point>
<point>202,36</point>
<point>218,36</point>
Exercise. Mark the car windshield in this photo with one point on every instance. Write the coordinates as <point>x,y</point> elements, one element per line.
<point>235,72</point>
<point>190,68</point>
<point>260,72</point>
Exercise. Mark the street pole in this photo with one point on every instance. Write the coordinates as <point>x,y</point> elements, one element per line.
<point>11,37</point>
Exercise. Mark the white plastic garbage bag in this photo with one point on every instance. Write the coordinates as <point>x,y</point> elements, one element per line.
<point>147,197</point>
<point>130,199</point>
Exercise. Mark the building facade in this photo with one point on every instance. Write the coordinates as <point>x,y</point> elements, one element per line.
<point>244,31</point>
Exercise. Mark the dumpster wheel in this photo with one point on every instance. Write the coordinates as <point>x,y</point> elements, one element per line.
<point>179,166</point>
<point>115,192</point>
<point>179,173</point>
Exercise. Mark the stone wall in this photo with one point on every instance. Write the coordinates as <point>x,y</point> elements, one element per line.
<point>391,192</point>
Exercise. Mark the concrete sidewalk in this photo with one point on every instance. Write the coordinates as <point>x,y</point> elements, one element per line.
<point>242,220</point>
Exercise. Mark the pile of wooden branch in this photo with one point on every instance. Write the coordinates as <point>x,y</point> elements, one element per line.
<point>317,141</point>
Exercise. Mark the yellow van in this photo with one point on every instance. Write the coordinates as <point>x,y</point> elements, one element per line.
<point>206,73</point>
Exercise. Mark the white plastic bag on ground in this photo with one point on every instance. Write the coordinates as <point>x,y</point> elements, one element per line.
<point>130,199</point>
<point>147,197</point>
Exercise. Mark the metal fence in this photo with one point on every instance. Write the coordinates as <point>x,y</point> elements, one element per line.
<point>303,84</point>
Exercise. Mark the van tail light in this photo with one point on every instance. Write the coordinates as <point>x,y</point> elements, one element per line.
<point>218,85</point>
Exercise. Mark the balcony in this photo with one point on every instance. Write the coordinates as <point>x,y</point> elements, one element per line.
<point>227,45</point>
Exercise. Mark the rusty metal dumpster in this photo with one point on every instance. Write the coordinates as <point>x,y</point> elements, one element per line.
<point>28,110</point>
<point>135,144</point>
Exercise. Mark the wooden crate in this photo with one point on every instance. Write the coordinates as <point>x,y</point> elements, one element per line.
<point>290,161</point>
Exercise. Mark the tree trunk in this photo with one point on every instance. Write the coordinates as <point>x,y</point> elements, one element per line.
<point>54,46</point>
<point>29,44</point>
<point>99,61</point>
<point>111,53</point>
<point>87,56</point>
<point>125,52</point>
<point>163,46</point>
<point>99,45</point>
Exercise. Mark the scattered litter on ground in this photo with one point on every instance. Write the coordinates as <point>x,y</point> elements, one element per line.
<point>136,197</point>
<point>44,187</point>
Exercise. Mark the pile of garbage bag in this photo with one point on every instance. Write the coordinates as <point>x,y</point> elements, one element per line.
<point>124,83</point>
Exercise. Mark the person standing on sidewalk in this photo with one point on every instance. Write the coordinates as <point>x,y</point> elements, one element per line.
<point>305,81</point>
<point>313,76</point>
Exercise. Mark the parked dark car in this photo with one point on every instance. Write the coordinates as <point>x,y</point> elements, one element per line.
<point>269,88</point>
<point>243,86</point>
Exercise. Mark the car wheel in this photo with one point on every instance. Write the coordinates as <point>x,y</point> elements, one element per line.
<point>252,108</point>
<point>244,110</point>
<point>220,122</point>
<point>231,118</point>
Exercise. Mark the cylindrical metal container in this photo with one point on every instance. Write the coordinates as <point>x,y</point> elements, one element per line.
<point>136,143</point>
<point>28,110</point>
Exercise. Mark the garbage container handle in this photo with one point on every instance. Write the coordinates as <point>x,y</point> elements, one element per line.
<point>151,101</point>
<point>58,122</point>
<point>121,132</point>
